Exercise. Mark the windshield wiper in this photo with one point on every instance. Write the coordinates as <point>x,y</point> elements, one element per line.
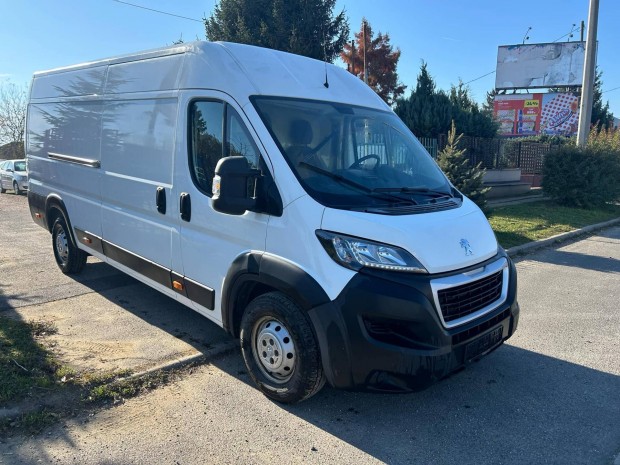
<point>414,190</point>
<point>374,192</point>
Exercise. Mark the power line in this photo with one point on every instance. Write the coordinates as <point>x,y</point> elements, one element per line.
<point>484,75</point>
<point>157,11</point>
<point>609,90</point>
<point>574,29</point>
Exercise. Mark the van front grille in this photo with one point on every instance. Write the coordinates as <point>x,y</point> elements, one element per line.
<point>460,301</point>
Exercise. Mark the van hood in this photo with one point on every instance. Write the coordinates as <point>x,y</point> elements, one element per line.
<point>436,239</point>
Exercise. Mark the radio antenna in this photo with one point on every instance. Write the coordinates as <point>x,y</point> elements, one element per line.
<point>326,83</point>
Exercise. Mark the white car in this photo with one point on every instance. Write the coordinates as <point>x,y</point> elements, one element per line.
<point>13,175</point>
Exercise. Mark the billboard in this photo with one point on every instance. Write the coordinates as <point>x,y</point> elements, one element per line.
<point>533,114</point>
<point>540,65</point>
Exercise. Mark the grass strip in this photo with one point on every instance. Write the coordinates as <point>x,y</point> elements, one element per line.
<point>25,365</point>
<point>518,224</point>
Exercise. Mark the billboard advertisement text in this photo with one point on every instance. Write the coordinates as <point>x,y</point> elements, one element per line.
<point>533,114</point>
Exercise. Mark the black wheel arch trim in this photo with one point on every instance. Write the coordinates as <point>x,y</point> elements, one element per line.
<point>257,268</point>
<point>55,201</point>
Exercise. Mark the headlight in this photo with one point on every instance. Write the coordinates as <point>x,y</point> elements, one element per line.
<point>355,253</point>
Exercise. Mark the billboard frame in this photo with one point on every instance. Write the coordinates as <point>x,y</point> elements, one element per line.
<point>563,86</point>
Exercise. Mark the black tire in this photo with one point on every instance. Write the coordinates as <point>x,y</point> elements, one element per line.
<point>306,374</point>
<point>2,190</point>
<point>69,258</point>
<point>16,188</point>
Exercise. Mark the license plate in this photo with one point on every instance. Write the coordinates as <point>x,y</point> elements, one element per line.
<point>483,343</point>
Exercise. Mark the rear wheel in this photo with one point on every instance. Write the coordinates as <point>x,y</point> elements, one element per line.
<point>280,349</point>
<point>16,188</point>
<point>69,258</point>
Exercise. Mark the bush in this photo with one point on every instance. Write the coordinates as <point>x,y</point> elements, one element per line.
<point>583,177</point>
<point>455,164</point>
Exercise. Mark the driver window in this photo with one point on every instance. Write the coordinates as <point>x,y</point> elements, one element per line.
<point>207,128</point>
<point>207,135</point>
<point>239,140</point>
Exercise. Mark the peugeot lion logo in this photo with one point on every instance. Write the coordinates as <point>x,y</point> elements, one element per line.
<point>465,245</point>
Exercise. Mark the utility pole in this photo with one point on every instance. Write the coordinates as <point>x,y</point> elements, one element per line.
<point>364,35</point>
<point>583,27</point>
<point>587,91</point>
<point>353,57</point>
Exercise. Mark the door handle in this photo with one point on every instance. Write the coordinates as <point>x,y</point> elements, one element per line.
<point>185,206</point>
<point>160,200</point>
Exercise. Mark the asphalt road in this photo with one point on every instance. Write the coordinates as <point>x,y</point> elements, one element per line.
<point>550,395</point>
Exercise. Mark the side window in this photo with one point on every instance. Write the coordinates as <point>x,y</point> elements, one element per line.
<point>208,132</point>
<point>239,140</point>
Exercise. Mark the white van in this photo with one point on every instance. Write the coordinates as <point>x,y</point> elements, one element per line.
<point>281,198</point>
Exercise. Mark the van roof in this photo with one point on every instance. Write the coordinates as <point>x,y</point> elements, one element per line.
<point>236,69</point>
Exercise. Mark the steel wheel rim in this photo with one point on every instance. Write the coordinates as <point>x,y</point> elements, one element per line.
<point>62,246</point>
<point>274,350</point>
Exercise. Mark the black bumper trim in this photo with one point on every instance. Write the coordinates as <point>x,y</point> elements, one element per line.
<point>386,335</point>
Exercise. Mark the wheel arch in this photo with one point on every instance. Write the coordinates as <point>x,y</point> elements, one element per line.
<point>55,202</point>
<point>253,274</point>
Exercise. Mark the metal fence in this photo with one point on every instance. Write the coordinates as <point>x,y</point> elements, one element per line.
<point>489,153</point>
<point>430,145</point>
<point>503,153</point>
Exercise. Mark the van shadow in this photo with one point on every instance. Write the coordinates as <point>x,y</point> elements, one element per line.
<point>153,307</point>
<point>513,406</point>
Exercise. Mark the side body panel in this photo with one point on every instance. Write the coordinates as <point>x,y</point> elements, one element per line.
<point>63,150</point>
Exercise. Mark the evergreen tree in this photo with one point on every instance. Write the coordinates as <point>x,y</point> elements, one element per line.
<point>381,62</point>
<point>601,115</point>
<point>429,112</point>
<point>487,106</point>
<point>455,163</point>
<point>304,27</point>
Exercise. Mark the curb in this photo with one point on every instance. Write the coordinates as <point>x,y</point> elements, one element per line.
<point>497,203</point>
<point>531,246</point>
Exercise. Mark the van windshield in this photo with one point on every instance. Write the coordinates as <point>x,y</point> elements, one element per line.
<point>350,157</point>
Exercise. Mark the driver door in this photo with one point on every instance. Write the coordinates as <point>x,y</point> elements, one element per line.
<point>215,127</point>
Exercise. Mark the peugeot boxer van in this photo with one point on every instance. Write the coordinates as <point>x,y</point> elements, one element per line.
<point>279,197</point>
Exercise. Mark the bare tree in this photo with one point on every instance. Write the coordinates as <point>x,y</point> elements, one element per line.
<point>13,102</point>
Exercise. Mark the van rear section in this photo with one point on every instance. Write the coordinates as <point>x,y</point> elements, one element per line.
<point>303,218</point>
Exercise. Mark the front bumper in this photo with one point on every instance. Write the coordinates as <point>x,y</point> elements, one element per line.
<point>22,183</point>
<point>383,332</point>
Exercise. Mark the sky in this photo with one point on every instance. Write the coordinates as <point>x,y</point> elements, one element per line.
<point>458,39</point>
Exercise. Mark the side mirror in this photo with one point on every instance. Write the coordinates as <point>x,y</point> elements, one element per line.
<point>234,186</point>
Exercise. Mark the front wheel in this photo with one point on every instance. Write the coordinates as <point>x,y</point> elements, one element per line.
<point>16,189</point>
<point>280,349</point>
<point>69,258</point>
